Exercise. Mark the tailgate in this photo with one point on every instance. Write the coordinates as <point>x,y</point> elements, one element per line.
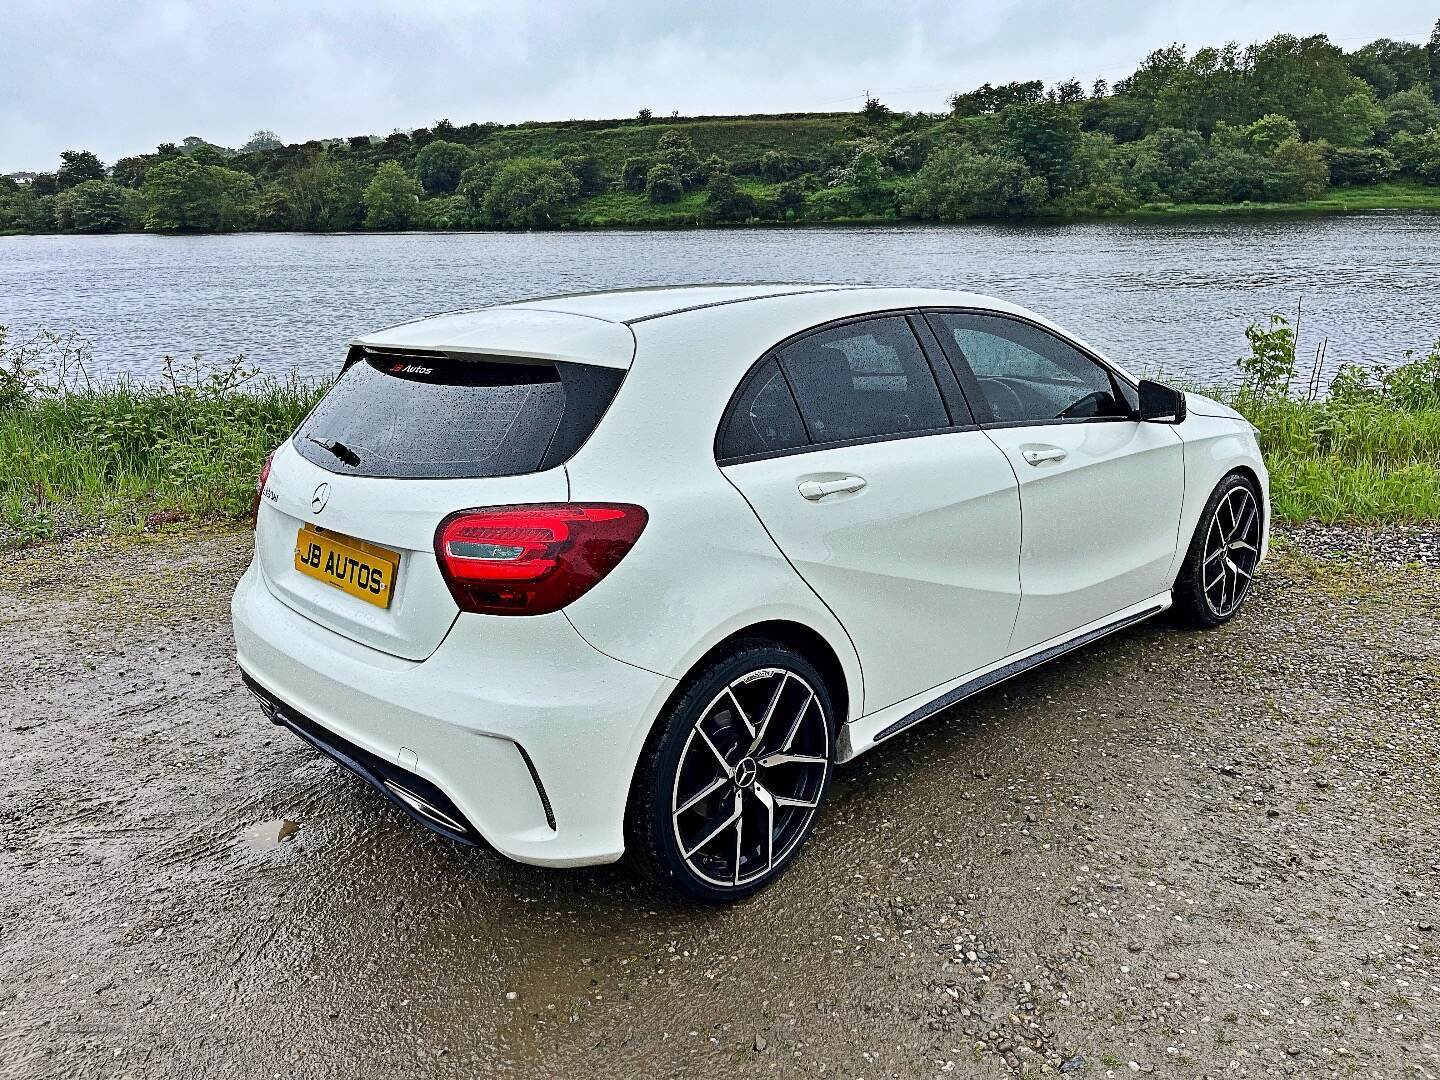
<point>394,515</point>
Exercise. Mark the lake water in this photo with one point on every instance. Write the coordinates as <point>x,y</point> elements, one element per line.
<point>1169,295</point>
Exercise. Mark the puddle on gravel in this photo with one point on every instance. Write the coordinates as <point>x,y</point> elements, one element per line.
<point>269,835</point>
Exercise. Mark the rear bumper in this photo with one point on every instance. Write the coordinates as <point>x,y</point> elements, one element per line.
<point>422,800</point>
<point>515,732</point>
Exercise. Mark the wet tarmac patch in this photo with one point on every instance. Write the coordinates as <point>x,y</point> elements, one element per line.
<point>269,835</point>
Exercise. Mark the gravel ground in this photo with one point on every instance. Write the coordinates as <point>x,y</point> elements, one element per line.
<point>1179,853</point>
<point>1411,545</point>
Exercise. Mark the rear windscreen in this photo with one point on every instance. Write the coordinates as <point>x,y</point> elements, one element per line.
<point>438,417</point>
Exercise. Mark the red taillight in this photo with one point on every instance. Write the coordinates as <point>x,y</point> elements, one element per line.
<point>530,560</point>
<point>259,487</point>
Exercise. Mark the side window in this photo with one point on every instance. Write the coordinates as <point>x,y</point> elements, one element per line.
<point>1025,373</point>
<point>762,418</point>
<point>863,380</point>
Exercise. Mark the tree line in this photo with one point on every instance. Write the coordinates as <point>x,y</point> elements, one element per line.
<point>1277,121</point>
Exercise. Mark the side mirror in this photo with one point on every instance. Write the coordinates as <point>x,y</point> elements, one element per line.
<point>1160,403</point>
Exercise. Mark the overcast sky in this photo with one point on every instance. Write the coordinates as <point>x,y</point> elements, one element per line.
<point>118,78</point>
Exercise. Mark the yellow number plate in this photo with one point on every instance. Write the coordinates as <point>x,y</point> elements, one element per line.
<point>359,568</point>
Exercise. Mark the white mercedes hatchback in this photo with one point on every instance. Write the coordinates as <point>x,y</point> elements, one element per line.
<point>635,570</point>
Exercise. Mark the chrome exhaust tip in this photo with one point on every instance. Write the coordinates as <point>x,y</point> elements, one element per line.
<point>268,708</point>
<point>423,808</point>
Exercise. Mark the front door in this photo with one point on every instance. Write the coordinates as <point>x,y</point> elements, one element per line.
<point>1100,493</point>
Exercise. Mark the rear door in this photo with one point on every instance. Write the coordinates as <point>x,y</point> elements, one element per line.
<point>864,465</point>
<point>399,442</point>
<point>1100,493</point>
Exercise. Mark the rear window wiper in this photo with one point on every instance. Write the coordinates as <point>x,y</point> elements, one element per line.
<point>339,449</point>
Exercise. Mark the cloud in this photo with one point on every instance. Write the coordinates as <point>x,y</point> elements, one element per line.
<point>120,78</point>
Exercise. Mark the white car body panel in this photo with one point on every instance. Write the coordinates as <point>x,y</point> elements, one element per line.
<point>399,514</point>
<point>1085,550</point>
<point>957,560</point>
<point>580,716</point>
<point>689,580</point>
<point>930,541</point>
<point>1218,440</point>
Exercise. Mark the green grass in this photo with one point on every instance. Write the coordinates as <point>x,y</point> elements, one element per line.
<point>81,457</point>
<point>1395,196</point>
<point>109,458</point>
<point>739,138</point>
<point>1348,461</point>
<point>1368,451</point>
<point>622,208</point>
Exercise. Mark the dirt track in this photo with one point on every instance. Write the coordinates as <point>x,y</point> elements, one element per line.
<point>1191,852</point>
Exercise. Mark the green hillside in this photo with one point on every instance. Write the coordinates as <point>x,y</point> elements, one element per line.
<point>1292,123</point>
<point>732,138</point>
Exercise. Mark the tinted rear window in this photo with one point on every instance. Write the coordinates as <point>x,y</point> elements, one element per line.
<point>440,417</point>
<point>863,380</point>
<point>763,418</point>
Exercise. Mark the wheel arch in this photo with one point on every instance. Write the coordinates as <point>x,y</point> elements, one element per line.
<point>805,640</point>
<point>1215,449</point>
<point>1262,496</point>
<point>1249,475</point>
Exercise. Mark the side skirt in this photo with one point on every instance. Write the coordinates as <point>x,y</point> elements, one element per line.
<point>906,714</point>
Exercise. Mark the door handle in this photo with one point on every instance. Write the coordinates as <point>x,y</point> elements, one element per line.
<point>815,490</point>
<point>1040,456</point>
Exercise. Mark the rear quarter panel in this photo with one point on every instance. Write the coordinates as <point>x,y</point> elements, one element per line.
<point>705,567</point>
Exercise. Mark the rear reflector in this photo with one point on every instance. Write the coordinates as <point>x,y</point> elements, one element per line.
<point>260,489</point>
<point>535,559</point>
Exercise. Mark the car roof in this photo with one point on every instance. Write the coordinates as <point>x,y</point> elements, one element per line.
<point>653,302</point>
<point>595,327</point>
<point>586,327</point>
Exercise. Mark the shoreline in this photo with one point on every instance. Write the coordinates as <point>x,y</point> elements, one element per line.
<point>1379,199</point>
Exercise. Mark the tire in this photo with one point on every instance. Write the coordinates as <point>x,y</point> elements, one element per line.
<point>1220,564</point>
<point>716,752</point>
